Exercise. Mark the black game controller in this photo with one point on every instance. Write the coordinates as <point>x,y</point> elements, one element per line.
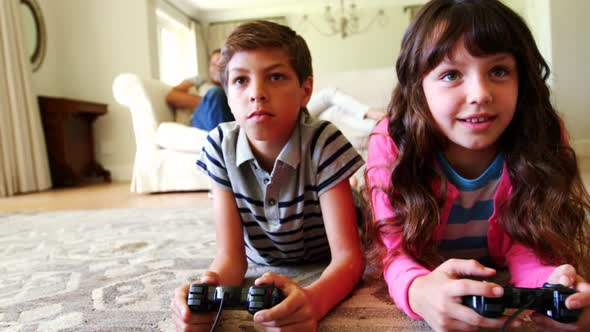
<point>203,297</point>
<point>549,300</point>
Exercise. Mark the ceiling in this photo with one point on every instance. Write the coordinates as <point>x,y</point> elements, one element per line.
<point>260,4</point>
<point>213,5</point>
<point>221,10</point>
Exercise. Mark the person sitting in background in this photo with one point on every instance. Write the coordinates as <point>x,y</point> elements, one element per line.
<point>210,105</point>
<point>331,99</point>
<point>355,119</point>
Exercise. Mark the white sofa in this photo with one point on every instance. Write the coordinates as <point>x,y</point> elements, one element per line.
<point>166,151</point>
<point>371,87</point>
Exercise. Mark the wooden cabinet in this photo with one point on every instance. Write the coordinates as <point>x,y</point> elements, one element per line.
<point>67,124</point>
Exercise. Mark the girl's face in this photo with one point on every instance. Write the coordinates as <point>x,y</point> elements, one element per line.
<point>472,99</point>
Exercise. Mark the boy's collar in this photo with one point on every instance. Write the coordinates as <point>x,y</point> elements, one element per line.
<point>290,154</point>
<point>243,151</point>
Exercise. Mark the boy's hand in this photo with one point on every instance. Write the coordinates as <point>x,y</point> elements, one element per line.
<point>567,276</point>
<point>294,313</point>
<point>183,318</point>
<point>437,296</point>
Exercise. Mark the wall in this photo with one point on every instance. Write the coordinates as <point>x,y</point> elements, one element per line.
<point>538,17</point>
<point>89,43</point>
<point>45,80</point>
<point>570,55</point>
<point>377,46</point>
<point>92,41</point>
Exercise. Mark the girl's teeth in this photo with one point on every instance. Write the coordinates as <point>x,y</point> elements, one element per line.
<point>476,120</point>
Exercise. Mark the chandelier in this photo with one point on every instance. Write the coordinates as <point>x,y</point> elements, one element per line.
<point>344,21</point>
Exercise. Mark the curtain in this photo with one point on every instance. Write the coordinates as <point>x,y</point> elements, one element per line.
<point>202,51</point>
<point>23,157</point>
<point>218,31</point>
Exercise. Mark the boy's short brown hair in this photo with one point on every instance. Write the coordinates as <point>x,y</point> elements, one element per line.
<point>260,34</point>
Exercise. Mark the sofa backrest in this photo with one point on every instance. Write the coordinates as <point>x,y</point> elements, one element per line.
<point>370,86</point>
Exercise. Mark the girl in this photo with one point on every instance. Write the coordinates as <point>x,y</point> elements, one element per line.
<point>472,170</point>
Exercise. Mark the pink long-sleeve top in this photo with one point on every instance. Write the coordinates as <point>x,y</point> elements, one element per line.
<point>525,268</point>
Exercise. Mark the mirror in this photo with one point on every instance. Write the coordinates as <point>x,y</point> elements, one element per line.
<point>35,35</point>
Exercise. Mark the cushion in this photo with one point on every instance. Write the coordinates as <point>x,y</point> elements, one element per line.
<point>178,137</point>
<point>183,116</point>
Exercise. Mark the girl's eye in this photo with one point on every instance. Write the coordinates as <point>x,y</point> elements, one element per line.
<point>500,72</point>
<point>450,76</point>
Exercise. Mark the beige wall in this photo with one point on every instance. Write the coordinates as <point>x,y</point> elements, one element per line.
<point>45,80</point>
<point>91,41</point>
<point>570,55</point>
<point>377,47</point>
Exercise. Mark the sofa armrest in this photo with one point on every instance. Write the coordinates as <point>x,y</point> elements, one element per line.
<point>146,100</point>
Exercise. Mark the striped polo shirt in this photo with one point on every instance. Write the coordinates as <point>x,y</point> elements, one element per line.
<point>466,234</point>
<point>280,211</point>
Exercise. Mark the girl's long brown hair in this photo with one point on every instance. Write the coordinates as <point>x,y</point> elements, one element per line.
<point>548,208</point>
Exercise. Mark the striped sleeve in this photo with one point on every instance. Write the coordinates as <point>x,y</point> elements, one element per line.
<point>211,160</point>
<point>336,159</point>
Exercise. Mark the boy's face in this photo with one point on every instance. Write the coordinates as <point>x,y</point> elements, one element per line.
<point>265,95</point>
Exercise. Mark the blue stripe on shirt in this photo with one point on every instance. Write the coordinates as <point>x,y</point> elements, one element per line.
<point>494,171</point>
<point>335,156</point>
<point>248,199</point>
<point>482,210</point>
<point>332,138</point>
<point>316,136</point>
<point>464,243</point>
<point>215,178</point>
<point>338,174</point>
<point>213,160</point>
<point>215,146</point>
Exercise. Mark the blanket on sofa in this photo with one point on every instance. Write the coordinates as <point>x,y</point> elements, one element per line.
<point>116,269</point>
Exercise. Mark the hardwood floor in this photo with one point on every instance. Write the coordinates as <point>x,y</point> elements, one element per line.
<point>117,195</point>
<point>100,196</point>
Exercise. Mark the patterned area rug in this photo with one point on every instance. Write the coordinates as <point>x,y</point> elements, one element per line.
<point>115,270</point>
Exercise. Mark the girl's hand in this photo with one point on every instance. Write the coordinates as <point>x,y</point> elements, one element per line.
<point>294,313</point>
<point>437,296</point>
<point>184,319</point>
<point>567,276</point>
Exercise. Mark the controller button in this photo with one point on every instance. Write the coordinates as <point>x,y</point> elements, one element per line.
<point>490,307</point>
<point>257,291</point>
<point>197,289</point>
<point>256,304</point>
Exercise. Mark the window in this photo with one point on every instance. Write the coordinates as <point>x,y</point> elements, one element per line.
<point>177,49</point>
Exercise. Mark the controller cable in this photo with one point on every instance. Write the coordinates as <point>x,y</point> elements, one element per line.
<point>505,327</point>
<point>218,313</point>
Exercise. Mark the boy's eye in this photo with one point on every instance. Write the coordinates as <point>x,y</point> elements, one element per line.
<point>276,76</point>
<point>239,80</point>
<point>450,76</point>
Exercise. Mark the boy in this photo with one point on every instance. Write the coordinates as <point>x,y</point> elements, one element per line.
<point>281,193</point>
